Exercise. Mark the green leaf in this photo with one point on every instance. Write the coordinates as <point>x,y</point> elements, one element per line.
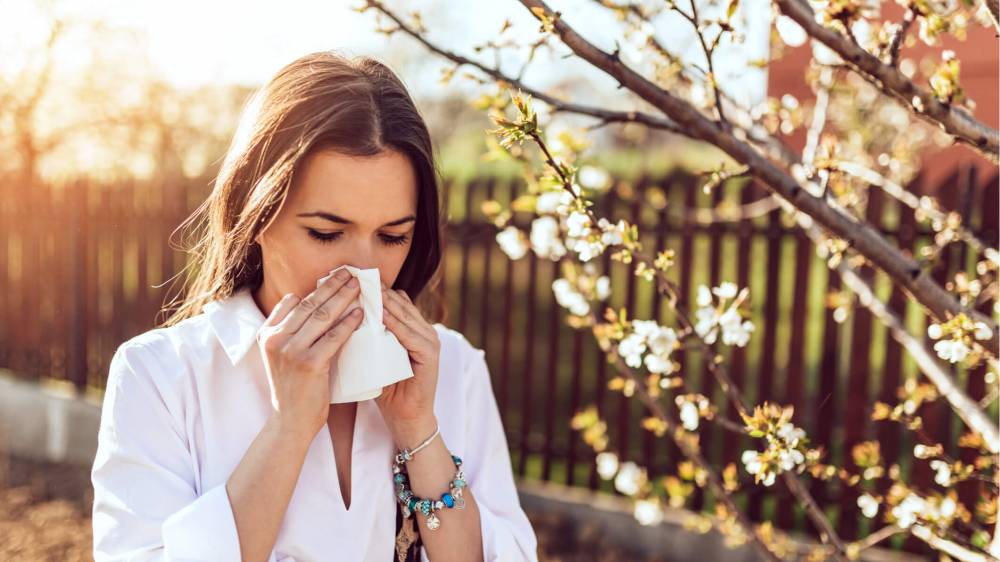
<point>733,6</point>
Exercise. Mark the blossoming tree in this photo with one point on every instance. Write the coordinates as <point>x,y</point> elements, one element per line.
<point>857,60</point>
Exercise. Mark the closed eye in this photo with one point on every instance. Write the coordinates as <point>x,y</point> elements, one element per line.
<point>328,237</point>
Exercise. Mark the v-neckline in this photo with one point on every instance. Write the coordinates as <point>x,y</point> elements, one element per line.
<point>331,457</point>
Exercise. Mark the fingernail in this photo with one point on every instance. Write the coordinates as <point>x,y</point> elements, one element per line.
<point>352,283</point>
<point>343,274</point>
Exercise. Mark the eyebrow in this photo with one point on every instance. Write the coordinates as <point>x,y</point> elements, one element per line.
<point>341,220</point>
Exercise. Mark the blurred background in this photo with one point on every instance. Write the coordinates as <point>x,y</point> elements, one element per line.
<point>115,115</point>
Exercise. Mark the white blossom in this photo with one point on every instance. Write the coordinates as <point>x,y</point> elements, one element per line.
<point>868,505</point>
<point>648,512</point>
<point>947,507</point>
<point>751,460</point>
<point>607,465</point>
<point>790,31</point>
<point>587,250</point>
<point>658,364</point>
<point>704,296</point>
<point>602,287</point>
<point>953,351</point>
<point>612,234</point>
<point>706,324</point>
<point>934,331</point>
<point>727,290</point>
<point>790,458</point>
<point>790,434</point>
<point>629,478</point>
<point>907,511</point>
<point>689,416</point>
<point>570,298</point>
<point>631,349</point>
<point>592,177</point>
<point>577,224</point>
<point>549,201</point>
<point>942,472</point>
<point>735,330</point>
<point>512,242</point>
<point>545,238</point>
<point>644,328</point>
<point>662,341</point>
<point>983,331</point>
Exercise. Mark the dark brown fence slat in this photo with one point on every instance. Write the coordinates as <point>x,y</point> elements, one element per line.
<point>527,369</point>
<point>856,402</point>
<point>796,372</point>
<point>607,206</point>
<point>486,301</point>
<point>466,223</point>
<point>626,404</point>
<point>769,343</point>
<point>79,258</point>
<point>689,191</point>
<point>505,348</point>
<point>989,196</point>
<point>824,414</point>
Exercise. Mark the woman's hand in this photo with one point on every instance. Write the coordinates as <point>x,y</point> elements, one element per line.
<point>299,339</point>
<point>408,405</point>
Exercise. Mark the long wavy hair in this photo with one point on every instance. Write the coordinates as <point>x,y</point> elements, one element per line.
<point>320,101</point>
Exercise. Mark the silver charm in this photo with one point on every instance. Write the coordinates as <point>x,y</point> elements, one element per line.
<point>433,522</point>
<point>460,502</point>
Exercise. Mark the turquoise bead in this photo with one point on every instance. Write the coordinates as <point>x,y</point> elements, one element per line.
<point>459,483</point>
<point>448,500</point>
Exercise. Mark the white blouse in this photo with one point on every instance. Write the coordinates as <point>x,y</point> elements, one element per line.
<point>183,405</point>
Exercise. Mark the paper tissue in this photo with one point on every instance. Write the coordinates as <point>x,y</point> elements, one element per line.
<point>372,358</point>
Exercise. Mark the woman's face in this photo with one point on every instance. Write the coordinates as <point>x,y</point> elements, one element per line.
<point>341,210</point>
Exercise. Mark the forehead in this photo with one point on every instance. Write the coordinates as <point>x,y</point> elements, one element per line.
<point>365,189</point>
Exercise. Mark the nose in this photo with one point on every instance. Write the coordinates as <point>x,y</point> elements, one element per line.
<point>362,256</point>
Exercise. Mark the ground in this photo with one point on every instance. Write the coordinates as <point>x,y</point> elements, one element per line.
<point>45,516</point>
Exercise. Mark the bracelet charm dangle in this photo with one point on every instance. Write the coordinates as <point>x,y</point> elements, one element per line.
<point>411,504</point>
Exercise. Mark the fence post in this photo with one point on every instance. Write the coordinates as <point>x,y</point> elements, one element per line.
<point>77,357</point>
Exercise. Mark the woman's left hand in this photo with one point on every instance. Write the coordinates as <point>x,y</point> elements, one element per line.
<point>408,405</point>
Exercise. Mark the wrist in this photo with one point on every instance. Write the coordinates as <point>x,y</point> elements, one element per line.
<point>290,429</point>
<point>412,433</point>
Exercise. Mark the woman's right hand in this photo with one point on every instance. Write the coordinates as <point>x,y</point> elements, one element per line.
<point>299,339</point>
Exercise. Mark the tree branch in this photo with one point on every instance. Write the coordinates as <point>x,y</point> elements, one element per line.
<point>954,120</point>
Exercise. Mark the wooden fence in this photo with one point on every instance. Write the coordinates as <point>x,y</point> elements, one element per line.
<point>78,264</point>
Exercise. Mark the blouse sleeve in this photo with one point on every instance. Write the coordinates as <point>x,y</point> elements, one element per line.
<point>507,533</point>
<point>145,501</point>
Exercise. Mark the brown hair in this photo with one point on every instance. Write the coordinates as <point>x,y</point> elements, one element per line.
<point>320,101</point>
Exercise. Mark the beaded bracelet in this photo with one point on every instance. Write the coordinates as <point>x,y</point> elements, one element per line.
<point>411,504</point>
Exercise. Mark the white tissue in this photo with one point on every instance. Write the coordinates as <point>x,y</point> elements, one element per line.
<point>372,358</point>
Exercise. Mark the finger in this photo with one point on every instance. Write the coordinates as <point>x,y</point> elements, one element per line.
<point>330,342</point>
<point>409,337</point>
<point>281,310</point>
<point>327,315</point>
<point>327,287</point>
<point>408,313</point>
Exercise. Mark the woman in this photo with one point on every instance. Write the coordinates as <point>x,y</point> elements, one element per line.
<point>217,438</point>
